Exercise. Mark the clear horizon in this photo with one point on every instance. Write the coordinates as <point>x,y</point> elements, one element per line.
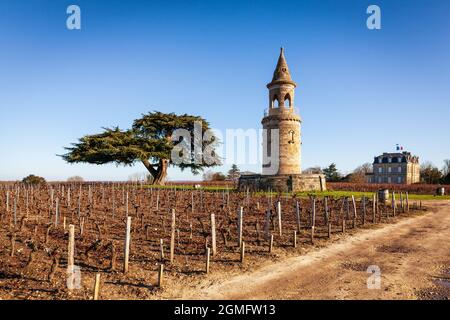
<point>360,92</point>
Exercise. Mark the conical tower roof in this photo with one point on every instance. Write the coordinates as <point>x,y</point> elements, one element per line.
<point>281,73</point>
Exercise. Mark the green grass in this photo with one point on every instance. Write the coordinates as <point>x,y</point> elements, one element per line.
<point>304,194</point>
<point>335,194</point>
<point>191,187</point>
<point>358,195</point>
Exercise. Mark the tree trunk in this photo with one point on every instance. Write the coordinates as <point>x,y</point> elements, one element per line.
<point>159,174</point>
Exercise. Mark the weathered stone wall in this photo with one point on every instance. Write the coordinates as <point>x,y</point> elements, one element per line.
<point>289,140</point>
<point>283,183</point>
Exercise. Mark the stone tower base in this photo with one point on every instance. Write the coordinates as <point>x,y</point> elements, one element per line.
<point>283,183</point>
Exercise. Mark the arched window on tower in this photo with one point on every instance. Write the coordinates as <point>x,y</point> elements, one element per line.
<point>287,100</point>
<point>275,102</point>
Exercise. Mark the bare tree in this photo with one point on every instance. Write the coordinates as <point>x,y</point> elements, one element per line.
<point>208,175</point>
<point>313,170</point>
<point>446,172</point>
<point>446,168</point>
<point>359,174</point>
<point>75,179</point>
<point>429,173</point>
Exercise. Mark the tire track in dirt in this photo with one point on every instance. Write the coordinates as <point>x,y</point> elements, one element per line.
<point>411,255</point>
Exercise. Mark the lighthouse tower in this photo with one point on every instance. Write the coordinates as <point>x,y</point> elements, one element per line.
<point>282,147</point>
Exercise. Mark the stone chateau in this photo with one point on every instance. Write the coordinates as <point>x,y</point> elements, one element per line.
<point>281,170</point>
<point>398,167</point>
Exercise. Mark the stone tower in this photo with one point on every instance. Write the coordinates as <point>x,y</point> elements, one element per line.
<point>281,169</point>
<point>281,115</point>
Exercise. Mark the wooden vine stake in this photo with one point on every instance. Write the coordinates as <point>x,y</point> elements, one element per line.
<point>213,234</point>
<point>297,216</point>
<point>242,252</point>
<point>157,200</point>
<point>267,225</point>
<point>271,244</point>
<point>57,212</point>
<point>71,249</point>
<point>393,203</point>
<point>15,211</point>
<point>208,255</point>
<point>354,211</point>
<point>364,210</point>
<point>126,205</point>
<point>240,225</point>
<point>7,201</point>
<point>374,208</point>
<point>172,237</point>
<point>97,286</point>
<point>313,219</point>
<point>407,202</point>
<point>279,218</point>
<point>127,245</point>
<point>401,202</point>
<point>295,239</point>
<point>160,275</point>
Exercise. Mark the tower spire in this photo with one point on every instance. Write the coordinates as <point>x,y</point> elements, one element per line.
<point>281,73</point>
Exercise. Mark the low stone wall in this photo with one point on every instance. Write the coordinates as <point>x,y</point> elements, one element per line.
<point>283,183</point>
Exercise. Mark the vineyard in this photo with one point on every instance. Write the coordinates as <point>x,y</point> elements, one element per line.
<point>373,187</point>
<point>130,237</point>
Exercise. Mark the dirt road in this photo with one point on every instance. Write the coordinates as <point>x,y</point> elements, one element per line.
<point>412,255</point>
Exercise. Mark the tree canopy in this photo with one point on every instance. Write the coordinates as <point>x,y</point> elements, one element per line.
<point>150,141</point>
<point>214,176</point>
<point>234,173</point>
<point>331,173</point>
<point>34,180</point>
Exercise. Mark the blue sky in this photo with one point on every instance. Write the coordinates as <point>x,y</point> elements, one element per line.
<point>359,91</point>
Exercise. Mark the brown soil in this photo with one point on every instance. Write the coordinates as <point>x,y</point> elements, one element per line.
<point>413,255</point>
<point>411,249</point>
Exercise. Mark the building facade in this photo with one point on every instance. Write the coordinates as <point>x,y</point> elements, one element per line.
<point>398,168</point>
<point>281,169</point>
